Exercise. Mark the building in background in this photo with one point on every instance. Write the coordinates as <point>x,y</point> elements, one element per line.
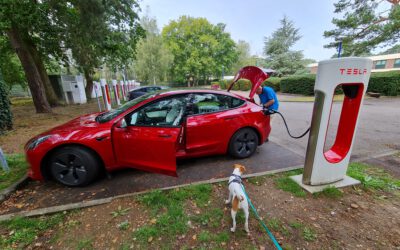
<point>381,63</point>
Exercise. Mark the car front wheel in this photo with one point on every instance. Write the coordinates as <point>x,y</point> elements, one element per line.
<point>74,166</point>
<point>243,143</point>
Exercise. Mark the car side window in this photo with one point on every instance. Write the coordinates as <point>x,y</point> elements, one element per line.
<point>164,113</point>
<point>203,103</point>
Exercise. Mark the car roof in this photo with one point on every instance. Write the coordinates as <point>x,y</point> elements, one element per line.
<point>170,92</point>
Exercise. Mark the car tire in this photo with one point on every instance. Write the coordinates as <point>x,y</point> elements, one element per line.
<point>74,166</point>
<point>243,143</point>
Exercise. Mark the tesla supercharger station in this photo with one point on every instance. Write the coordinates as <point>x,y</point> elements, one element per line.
<point>106,94</point>
<point>122,89</point>
<point>324,168</point>
<point>116,92</point>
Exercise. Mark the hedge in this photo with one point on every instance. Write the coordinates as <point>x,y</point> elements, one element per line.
<point>386,83</point>
<point>5,112</point>
<point>274,83</point>
<point>303,84</point>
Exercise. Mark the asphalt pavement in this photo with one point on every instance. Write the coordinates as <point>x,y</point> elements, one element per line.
<point>378,130</point>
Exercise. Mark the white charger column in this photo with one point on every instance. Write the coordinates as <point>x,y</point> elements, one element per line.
<point>106,94</point>
<point>116,92</point>
<point>328,167</point>
<point>121,87</point>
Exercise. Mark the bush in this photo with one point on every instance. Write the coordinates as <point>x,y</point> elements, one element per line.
<point>5,112</point>
<point>274,83</point>
<point>386,83</point>
<point>303,84</point>
<point>243,85</point>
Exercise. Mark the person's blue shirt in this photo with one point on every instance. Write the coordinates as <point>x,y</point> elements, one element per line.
<point>268,94</point>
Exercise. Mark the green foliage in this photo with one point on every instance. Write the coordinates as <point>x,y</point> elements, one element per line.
<point>289,185</point>
<point>85,244</point>
<point>120,212</point>
<point>153,58</point>
<point>329,192</point>
<point>200,49</point>
<point>244,57</point>
<point>309,234</point>
<point>373,178</point>
<point>363,25</point>
<point>258,180</point>
<point>303,84</point>
<point>167,206</point>
<point>5,111</point>
<point>10,66</point>
<point>23,231</point>
<point>274,83</point>
<point>386,83</point>
<point>277,49</point>
<point>18,167</point>
<point>205,236</point>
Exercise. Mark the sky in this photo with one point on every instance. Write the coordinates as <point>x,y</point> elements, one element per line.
<point>252,20</point>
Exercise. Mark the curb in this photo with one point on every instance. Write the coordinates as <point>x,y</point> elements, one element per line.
<point>6,192</point>
<point>90,203</point>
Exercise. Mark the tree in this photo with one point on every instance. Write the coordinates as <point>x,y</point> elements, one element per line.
<point>29,27</point>
<point>244,57</point>
<point>393,50</point>
<point>99,32</point>
<point>5,112</point>
<point>277,49</point>
<point>200,49</point>
<point>153,58</point>
<point>364,25</point>
<point>10,66</point>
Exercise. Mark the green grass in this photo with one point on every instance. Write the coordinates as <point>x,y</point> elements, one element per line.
<point>258,180</point>
<point>274,224</point>
<point>18,167</point>
<point>296,224</point>
<point>120,212</point>
<point>168,208</point>
<point>209,218</point>
<point>289,185</point>
<point>329,192</point>
<point>309,234</point>
<point>373,178</point>
<point>85,244</point>
<point>23,231</point>
<point>205,236</point>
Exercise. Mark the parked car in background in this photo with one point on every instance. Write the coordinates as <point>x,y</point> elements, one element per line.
<point>150,133</point>
<point>139,91</point>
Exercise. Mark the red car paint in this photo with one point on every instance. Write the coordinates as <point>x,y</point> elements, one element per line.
<point>348,119</point>
<point>153,149</point>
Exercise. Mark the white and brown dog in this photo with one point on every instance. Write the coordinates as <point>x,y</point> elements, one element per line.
<point>237,196</point>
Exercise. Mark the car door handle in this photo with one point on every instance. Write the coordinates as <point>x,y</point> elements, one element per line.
<point>164,136</point>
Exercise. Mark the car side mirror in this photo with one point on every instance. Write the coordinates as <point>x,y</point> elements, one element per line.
<point>122,123</point>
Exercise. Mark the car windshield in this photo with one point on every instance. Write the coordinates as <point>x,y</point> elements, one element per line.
<point>109,115</point>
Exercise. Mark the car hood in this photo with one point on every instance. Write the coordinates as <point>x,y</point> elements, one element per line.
<point>80,123</point>
<point>256,76</point>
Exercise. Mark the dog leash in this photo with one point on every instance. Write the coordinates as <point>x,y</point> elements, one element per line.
<point>271,236</point>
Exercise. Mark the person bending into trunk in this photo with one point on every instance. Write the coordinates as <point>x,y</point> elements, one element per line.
<point>268,98</point>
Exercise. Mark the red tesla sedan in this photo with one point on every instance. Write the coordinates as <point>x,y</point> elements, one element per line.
<point>151,132</point>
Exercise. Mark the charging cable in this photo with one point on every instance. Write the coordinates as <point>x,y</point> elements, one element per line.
<point>271,111</point>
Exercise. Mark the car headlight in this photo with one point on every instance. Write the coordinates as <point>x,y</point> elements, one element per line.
<point>33,144</point>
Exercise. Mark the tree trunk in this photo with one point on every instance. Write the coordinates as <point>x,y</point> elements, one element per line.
<point>50,94</point>
<point>89,83</point>
<point>31,71</point>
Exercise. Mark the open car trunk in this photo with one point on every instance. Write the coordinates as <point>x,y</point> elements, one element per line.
<point>255,75</point>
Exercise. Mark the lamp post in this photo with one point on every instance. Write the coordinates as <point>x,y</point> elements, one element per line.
<point>222,78</point>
